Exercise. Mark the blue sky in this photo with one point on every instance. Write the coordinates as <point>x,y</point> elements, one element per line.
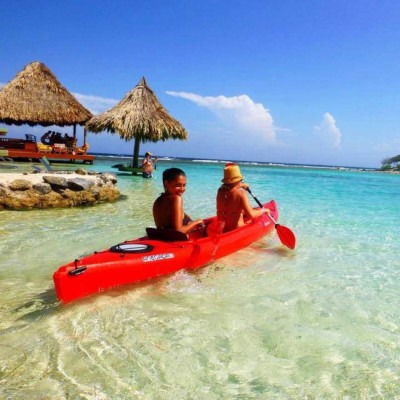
<point>312,82</point>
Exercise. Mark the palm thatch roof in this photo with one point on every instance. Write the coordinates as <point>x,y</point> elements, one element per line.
<point>36,97</point>
<point>139,115</point>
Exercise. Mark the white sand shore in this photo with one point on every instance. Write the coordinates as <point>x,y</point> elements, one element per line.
<point>7,178</point>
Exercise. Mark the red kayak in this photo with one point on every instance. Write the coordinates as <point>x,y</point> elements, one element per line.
<point>159,253</point>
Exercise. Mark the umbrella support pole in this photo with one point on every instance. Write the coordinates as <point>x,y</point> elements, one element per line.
<point>136,146</point>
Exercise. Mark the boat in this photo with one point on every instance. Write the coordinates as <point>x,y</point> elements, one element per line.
<point>31,149</point>
<point>161,252</point>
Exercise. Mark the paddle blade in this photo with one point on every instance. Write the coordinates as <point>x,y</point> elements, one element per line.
<point>286,236</point>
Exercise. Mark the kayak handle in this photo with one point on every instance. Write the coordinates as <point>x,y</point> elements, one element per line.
<point>77,271</point>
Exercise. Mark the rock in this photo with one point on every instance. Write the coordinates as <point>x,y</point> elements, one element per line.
<point>56,182</point>
<point>78,184</point>
<point>57,190</point>
<point>20,200</point>
<point>108,177</point>
<point>80,171</point>
<point>82,198</point>
<point>20,184</point>
<point>108,193</point>
<point>42,188</point>
<point>96,194</point>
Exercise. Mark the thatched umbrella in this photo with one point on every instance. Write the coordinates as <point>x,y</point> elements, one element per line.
<point>36,97</point>
<point>140,116</point>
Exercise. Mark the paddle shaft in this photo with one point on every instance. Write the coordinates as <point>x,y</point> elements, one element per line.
<point>259,203</point>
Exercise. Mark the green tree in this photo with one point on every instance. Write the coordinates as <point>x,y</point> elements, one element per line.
<point>390,163</point>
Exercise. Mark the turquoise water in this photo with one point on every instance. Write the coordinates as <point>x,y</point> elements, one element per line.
<point>320,322</point>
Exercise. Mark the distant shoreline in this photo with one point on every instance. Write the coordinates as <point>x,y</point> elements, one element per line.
<point>161,158</point>
<point>222,161</point>
<point>110,156</point>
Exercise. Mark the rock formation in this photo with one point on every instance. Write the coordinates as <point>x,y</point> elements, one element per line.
<point>56,189</point>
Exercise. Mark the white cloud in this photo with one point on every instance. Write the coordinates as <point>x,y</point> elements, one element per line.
<point>95,104</point>
<point>328,130</point>
<point>2,84</point>
<point>240,112</point>
<point>392,146</point>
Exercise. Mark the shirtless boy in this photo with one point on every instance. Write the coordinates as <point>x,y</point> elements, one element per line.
<point>168,210</point>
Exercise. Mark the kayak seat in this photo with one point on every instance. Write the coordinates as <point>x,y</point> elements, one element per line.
<point>167,235</point>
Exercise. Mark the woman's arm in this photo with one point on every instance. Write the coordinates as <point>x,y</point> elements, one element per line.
<point>190,226</point>
<point>178,215</point>
<point>248,209</point>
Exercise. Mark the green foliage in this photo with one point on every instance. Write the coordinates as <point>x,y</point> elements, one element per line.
<point>391,163</point>
<point>386,167</point>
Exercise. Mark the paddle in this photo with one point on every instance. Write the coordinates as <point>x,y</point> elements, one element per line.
<point>285,234</point>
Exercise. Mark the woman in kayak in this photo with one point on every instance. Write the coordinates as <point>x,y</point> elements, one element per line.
<point>168,210</point>
<point>233,205</point>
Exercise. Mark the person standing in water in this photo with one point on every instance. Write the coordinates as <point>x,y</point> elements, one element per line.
<point>148,165</point>
<point>233,205</point>
<point>168,209</point>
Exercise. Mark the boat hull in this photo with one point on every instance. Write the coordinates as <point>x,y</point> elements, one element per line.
<point>26,150</point>
<point>144,258</point>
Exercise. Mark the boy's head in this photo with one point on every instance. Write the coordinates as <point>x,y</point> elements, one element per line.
<point>172,173</point>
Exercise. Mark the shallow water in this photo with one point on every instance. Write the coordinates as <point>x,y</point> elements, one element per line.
<point>264,323</point>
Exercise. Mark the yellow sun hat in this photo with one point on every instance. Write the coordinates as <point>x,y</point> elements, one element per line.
<point>232,173</point>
